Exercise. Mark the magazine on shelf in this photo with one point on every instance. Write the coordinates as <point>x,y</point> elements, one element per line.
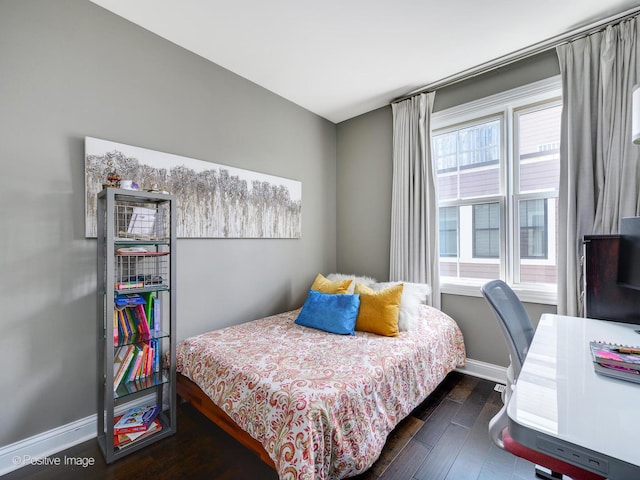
<point>136,419</point>
<point>121,440</point>
<point>142,221</point>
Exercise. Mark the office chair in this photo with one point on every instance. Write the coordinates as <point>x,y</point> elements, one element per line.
<point>518,332</point>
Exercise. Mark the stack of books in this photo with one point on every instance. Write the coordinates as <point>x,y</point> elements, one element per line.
<point>135,318</point>
<point>136,324</point>
<point>136,424</point>
<point>134,363</point>
<point>618,361</point>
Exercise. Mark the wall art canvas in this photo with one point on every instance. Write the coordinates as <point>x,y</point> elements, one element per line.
<point>213,201</point>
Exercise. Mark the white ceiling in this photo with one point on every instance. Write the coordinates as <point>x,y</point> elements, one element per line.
<point>342,58</point>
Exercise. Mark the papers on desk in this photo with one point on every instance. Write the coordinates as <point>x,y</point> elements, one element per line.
<point>617,361</point>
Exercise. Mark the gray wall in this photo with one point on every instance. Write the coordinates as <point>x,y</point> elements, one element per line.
<point>364,199</point>
<point>70,69</point>
<point>364,194</point>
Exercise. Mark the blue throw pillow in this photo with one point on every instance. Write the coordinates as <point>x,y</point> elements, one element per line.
<point>331,312</point>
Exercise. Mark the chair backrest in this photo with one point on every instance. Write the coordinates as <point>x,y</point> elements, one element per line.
<point>513,320</point>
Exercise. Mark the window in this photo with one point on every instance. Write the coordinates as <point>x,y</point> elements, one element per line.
<point>497,165</point>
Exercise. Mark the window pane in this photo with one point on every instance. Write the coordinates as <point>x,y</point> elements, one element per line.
<point>445,150</point>
<point>479,144</point>
<point>458,242</point>
<point>486,230</point>
<point>538,159</point>
<point>468,161</point>
<point>538,231</point>
<point>448,231</point>
<point>533,228</point>
<point>539,149</point>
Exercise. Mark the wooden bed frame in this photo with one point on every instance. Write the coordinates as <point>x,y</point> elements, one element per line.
<point>190,392</point>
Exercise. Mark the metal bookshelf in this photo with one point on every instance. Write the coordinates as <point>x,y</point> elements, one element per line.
<point>136,255</point>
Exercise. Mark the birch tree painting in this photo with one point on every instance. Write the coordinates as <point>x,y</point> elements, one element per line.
<point>213,201</point>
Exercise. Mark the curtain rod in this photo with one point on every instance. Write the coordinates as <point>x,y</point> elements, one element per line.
<point>522,53</point>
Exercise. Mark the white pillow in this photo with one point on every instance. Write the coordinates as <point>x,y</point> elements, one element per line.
<point>367,281</point>
<point>413,294</point>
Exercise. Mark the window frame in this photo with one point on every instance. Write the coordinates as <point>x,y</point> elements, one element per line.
<point>503,105</point>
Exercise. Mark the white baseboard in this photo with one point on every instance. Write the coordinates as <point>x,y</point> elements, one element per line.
<point>34,449</point>
<point>488,371</point>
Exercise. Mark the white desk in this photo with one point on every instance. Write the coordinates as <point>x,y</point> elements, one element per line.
<point>561,407</point>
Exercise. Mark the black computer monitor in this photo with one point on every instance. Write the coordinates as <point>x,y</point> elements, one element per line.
<point>629,258</point>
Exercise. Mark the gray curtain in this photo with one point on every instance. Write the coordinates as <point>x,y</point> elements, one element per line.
<point>414,255</point>
<point>599,164</point>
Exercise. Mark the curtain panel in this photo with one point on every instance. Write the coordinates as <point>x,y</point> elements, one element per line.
<point>414,255</point>
<point>599,164</point>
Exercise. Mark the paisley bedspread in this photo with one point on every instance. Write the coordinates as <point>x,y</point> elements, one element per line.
<point>321,404</point>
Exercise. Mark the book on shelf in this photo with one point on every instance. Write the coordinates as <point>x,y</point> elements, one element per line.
<point>129,284</point>
<point>136,419</point>
<point>156,356</point>
<point>123,327</point>
<point>148,305</point>
<point>132,323</point>
<point>135,365</point>
<point>156,313</point>
<point>121,364</point>
<point>123,439</point>
<point>143,320</point>
<point>142,368</point>
<point>131,326</point>
<point>126,299</point>
<point>115,327</point>
<point>148,369</point>
<point>138,321</point>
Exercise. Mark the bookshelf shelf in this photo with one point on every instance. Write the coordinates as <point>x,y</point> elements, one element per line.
<point>129,388</point>
<point>139,289</point>
<point>140,338</point>
<point>136,314</point>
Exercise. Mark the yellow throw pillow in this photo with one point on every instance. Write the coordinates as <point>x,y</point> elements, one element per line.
<point>321,284</point>
<point>379,310</point>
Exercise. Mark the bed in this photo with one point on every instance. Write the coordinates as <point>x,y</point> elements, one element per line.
<point>313,404</point>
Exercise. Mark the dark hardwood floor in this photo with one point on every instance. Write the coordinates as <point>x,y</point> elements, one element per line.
<point>444,438</point>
